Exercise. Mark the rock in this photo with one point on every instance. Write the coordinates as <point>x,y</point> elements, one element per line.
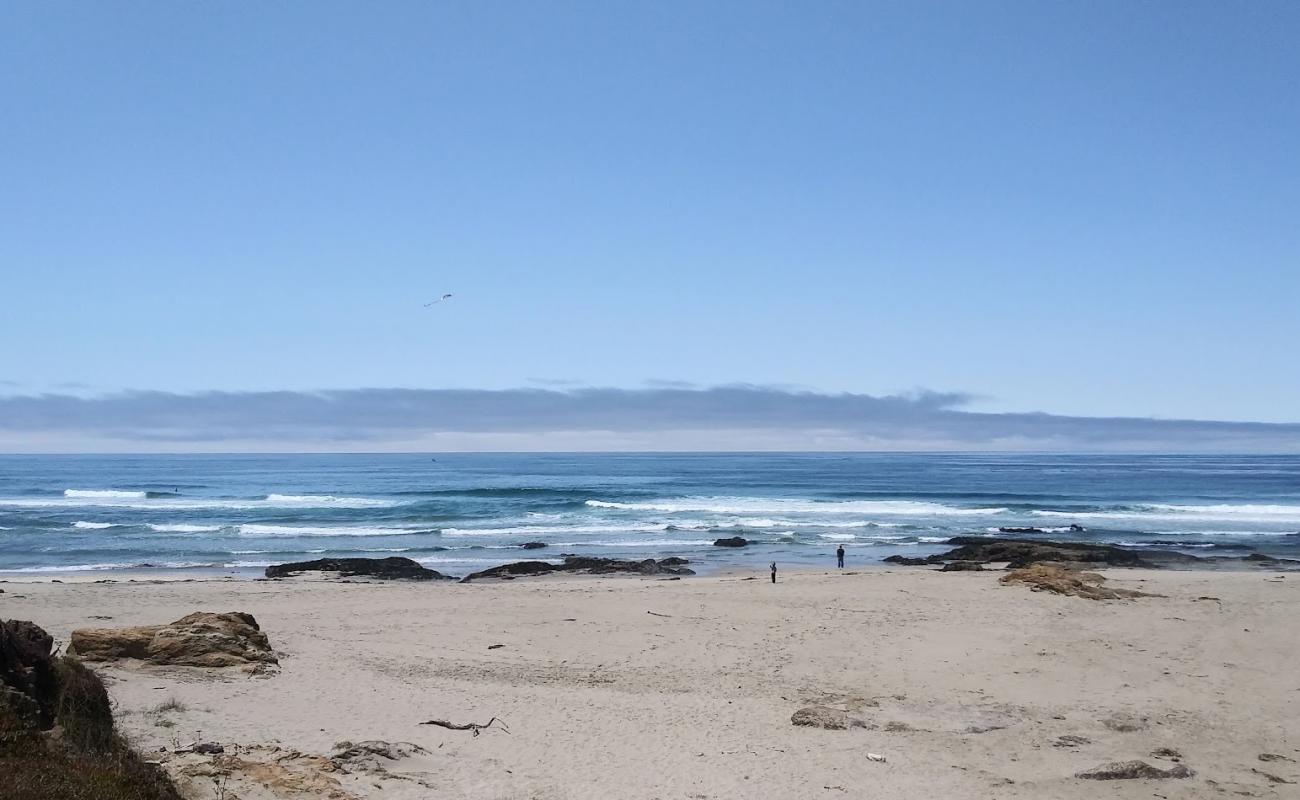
<point>1125,722</point>
<point>1062,580</point>
<point>962,566</point>
<point>202,639</point>
<point>1168,753</point>
<point>391,568</point>
<point>1021,530</point>
<point>29,677</point>
<point>1022,553</point>
<point>584,565</point>
<point>370,756</point>
<point>532,545</point>
<point>831,719</point>
<point>1274,757</point>
<point>910,561</point>
<point>1070,740</point>
<point>1131,770</point>
<point>732,541</point>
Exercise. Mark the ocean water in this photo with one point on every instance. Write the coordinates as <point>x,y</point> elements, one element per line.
<point>458,513</point>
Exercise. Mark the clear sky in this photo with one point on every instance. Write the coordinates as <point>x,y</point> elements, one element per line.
<point>1077,208</point>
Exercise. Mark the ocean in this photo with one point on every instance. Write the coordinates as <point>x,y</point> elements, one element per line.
<point>459,513</point>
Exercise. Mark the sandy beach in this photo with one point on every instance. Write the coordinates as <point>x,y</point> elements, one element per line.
<point>654,688</point>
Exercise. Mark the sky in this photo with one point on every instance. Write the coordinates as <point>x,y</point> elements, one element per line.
<point>1080,210</point>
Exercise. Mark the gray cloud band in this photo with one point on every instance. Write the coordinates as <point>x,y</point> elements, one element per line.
<point>360,415</point>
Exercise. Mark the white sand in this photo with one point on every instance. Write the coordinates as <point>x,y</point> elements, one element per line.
<point>620,703</point>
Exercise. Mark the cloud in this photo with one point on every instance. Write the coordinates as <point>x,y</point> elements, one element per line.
<point>736,417</point>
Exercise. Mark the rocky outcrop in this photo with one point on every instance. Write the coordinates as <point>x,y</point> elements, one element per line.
<point>29,680</point>
<point>1133,770</point>
<point>585,565</point>
<point>202,639</point>
<point>827,718</point>
<point>1022,553</point>
<point>731,541</point>
<point>1062,580</point>
<point>909,561</point>
<point>532,545</point>
<point>962,566</point>
<point>391,568</point>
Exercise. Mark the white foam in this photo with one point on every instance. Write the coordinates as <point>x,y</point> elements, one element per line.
<point>103,494</point>
<point>321,530</point>
<point>780,506</point>
<point>92,526</point>
<point>837,537</point>
<point>184,528</point>
<point>1162,512</point>
<point>538,530</point>
<point>138,500</point>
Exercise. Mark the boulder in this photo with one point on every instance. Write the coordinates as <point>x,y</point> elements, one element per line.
<point>202,639</point>
<point>29,678</point>
<point>391,568</point>
<point>533,545</point>
<point>910,561</point>
<point>585,565</point>
<point>831,719</point>
<point>1021,530</point>
<point>1022,553</point>
<point>1063,580</point>
<point>1133,770</point>
<point>962,566</point>
<point>731,541</point>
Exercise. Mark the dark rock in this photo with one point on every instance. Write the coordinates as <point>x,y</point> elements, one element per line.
<point>912,562</point>
<point>585,565</point>
<point>962,566</point>
<point>29,679</point>
<point>1022,553</point>
<point>533,545</point>
<point>1022,530</point>
<point>393,567</point>
<point>732,541</point>
<point>1168,753</point>
<point>208,748</point>
<point>1131,770</point>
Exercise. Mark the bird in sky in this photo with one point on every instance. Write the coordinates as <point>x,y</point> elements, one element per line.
<point>439,300</point>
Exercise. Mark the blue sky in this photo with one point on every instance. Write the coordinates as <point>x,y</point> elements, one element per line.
<point>1081,209</point>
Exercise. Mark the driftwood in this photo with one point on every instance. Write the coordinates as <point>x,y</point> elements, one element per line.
<point>468,726</point>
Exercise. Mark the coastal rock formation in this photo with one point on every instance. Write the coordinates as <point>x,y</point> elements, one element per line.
<point>909,561</point>
<point>831,719</point>
<point>1062,580</point>
<point>29,681</point>
<point>1131,770</point>
<point>962,566</point>
<point>731,541</point>
<point>585,565</point>
<point>1021,553</point>
<point>391,568</point>
<point>202,639</point>
<point>532,545</point>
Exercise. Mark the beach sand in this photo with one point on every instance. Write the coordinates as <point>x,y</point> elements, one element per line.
<point>966,685</point>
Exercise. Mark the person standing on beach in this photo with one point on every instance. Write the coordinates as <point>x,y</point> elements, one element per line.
<point>773,572</point>
<point>839,556</point>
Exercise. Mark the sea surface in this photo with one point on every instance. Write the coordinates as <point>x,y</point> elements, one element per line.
<point>459,513</point>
